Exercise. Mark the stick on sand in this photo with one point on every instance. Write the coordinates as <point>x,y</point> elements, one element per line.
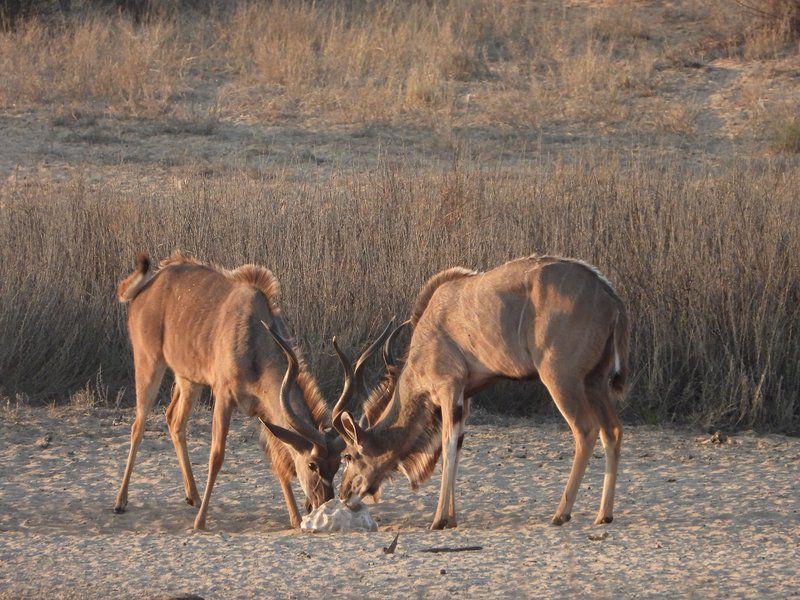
<point>445,549</point>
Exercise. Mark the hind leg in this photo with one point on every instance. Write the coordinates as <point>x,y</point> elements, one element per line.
<point>184,396</point>
<point>148,373</point>
<point>571,399</point>
<point>611,434</point>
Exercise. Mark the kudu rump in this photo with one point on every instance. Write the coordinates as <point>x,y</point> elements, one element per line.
<point>550,318</point>
<point>208,326</point>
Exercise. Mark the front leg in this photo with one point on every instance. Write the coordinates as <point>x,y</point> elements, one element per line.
<point>291,505</point>
<point>451,511</point>
<point>451,401</point>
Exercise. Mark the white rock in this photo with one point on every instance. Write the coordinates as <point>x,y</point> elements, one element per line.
<point>336,515</point>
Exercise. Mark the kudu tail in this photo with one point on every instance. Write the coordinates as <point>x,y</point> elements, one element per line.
<point>619,343</point>
<point>133,283</point>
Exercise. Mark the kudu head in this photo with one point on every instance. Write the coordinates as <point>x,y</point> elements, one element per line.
<point>368,459</point>
<point>316,453</point>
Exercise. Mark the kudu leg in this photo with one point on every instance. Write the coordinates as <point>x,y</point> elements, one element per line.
<point>452,406</point>
<point>223,408</point>
<point>451,507</point>
<point>184,396</point>
<point>572,401</point>
<point>148,376</point>
<point>611,434</point>
<point>291,504</point>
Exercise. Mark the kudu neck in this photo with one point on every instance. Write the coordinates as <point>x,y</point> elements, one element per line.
<point>404,420</point>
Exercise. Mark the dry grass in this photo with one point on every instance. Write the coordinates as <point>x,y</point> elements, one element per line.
<point>343,61</point>
<point>707,264</point>
<point>750,29</point>
<point>108,61</point>
<point>446,66</point>
<point>674,117</point>
<point>775,27</point>
<point>786,134</point>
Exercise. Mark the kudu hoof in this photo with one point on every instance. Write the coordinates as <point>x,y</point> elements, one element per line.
<point>603,520</point>
<point>440,524</point>
<point>119,510</point>
<point>560,519</point>
<point>190,501</point>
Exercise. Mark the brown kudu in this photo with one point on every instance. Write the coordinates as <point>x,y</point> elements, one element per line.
<point>207,325</point>
<point>550,318</point>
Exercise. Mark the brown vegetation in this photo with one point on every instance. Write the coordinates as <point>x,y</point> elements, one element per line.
<point>341,115</point>
<point>707,265</point>
<point>445,64</point>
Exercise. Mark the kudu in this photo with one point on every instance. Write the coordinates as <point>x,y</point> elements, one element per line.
<point>543,317</point>
<point>207,325</point>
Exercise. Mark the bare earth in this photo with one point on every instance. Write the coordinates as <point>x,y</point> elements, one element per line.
<point>693,519</point>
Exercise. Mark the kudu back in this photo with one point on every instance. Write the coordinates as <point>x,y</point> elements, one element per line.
<point>551,318</point>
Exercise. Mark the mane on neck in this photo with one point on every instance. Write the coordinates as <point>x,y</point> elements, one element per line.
<point>419,419</point>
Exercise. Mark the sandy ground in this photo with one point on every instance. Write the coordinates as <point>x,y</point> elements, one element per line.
<point>693,519</point>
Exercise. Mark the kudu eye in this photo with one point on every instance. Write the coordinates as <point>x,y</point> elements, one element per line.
<point>312,466</point>
<point>347,457</point>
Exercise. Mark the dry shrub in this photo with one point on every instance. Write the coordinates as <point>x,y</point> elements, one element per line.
<point>776,26</point>
<point>129,69</point>
<point>372,61</point>
<point>762,29</point>
<point>786,134</point>
<point>708,265</point>
<point>619,23</point>
<point>677,117</point>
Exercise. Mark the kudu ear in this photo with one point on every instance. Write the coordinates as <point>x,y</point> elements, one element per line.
<point>295,440</point>
<point>352,430</point>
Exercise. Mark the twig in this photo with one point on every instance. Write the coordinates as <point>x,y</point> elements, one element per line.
<point>756,10</point>
<point>445,549</point>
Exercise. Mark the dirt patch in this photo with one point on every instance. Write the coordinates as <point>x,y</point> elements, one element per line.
<point>690,517</point>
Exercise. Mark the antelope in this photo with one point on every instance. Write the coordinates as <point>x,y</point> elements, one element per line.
<point>206,324</point>
<point>549,318</point>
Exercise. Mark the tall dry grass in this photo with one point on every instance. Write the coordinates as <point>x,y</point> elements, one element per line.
<point>439,64</point>
<point>457,68</point>
<point>468,60</point>
<point>775,26</point>
<point>111,62</point>
<point>708,264</point>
